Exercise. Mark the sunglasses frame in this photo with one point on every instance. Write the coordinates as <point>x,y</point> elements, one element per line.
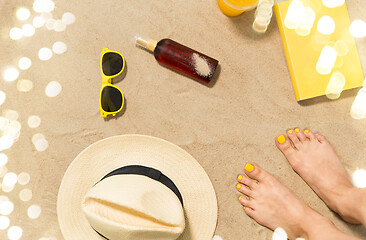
<point>107,81</point>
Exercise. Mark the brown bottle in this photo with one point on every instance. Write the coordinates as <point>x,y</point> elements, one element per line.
<point>181,58</point>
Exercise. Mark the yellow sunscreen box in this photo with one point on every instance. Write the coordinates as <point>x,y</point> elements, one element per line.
<point>317,44</point>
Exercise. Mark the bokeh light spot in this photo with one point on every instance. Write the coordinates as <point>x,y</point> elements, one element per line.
<point>59,26</point>
<point>16,33</point>
<point>4,222</point>
<point>38,22</point>
<point>24,85</point>
<point>2,97</point>
<point>279,234</point>
<point>45,54</point>
<point>326,25</point>
<point>11,74</point>
<point>23,178</point>
<point>10,179</point>
<point>23,14</point>
<point>43,6</point>
<point>34,211</point>
<point>358,109</point>
<point>6,142</point>
<point>3,159</point>
<point>11,114</point>
<point>6,207</point>
<point>326,61</point>
<point>68,18</point>
<point>59,47</point>
<point>15,233</point>
<point>50,24</point>
<point>25,195</point>
<point>28,30</point>
<point>3,171</point>
<point>53,89</point>
<point>24,63</point>
<point>41,145</point>
<point>333,3</point>
<point>359,178</point>
<point>358,28</point>
<point>37,137</point>
<point>34,121</point>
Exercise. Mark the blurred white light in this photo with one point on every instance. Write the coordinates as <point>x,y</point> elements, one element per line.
<point>50,24</point>
<point>2,97</point>
<point>11,114</point>
<point>59,26</point>
<point>333,3</point>
<point>45,54</point>
<point>59,47</point>
<point>216,237</point>
<point>23,14</point>
<point>326,25</point>
<point>41,145</point>
<point>294,14</point>
<point>28,30</point>
<point>3,122</point>
<point>358,109</point>
<point>359,178</point>
<point>46,15</point>
<point>24,85</point>
<point>326,61</point>
<point>3,159</point>
<point>53,89</point>
<point>6,142</point>
<point>25,195</point>
<point>335,85</point>
<point>279,234</point>
<point>34,121</point>
<point>7,189</point>
<point>341,48</point>
<point>34,211</point>
<point>23,178</point>
<point>16,33</point>
<point>306,24</point>
<point>10,179</point>
<point>4,222</point>
<point>358,28</point>
<point>11,74</point>
<point>43,6</point>
<point>6,207</point>
<point>37,137</point>
<point>15,233</point>
<point>24,63</point>
<point>38,22</point>
<point>68,18</point>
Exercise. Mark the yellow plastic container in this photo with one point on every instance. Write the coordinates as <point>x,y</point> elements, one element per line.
<point>234,8</point>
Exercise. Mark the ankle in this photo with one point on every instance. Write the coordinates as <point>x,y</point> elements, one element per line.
<point>352,207</point>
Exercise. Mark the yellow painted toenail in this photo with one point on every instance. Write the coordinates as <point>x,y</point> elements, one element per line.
<point>240,177</point>
<point>306,131</point>
<point>238,186</point>
<point>249,167</point>
<point>297,130</point>
<point>317,134</point>
<point>281,139</point>
<point>240,198</point>
<point>244,208</point>
<point>290,131</point>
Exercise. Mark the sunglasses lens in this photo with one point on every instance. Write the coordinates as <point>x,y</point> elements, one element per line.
<point>112,63</point>
<point>111,99</point>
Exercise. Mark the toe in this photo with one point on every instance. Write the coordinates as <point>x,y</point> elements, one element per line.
<point>310,135</point>
<point>246,181</point>
<point>291,134</point>
<point>320,138</point>
<point>250,212</point>
<point>245,202</point>
<point>244,190</point>
<point>255,172</point>
<point>283,143</point>
<point>300,135</point>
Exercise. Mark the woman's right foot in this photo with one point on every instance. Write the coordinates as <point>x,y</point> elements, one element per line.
<point>315,160</point>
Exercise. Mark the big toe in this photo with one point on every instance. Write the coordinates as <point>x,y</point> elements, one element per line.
<point>255,172</point>
<point>284,144</point>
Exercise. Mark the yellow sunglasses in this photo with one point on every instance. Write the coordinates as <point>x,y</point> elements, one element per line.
<point>111,98</point>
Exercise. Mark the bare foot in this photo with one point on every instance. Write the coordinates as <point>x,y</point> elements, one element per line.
<point>273,205</point>
<point>315,160</point>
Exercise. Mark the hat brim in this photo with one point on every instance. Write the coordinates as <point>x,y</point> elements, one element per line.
<point>102,157</point>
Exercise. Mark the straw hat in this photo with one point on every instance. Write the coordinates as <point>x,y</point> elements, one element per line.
<point>136,187</point>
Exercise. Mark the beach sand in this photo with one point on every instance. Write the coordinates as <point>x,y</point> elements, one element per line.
<point>232,121</point>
